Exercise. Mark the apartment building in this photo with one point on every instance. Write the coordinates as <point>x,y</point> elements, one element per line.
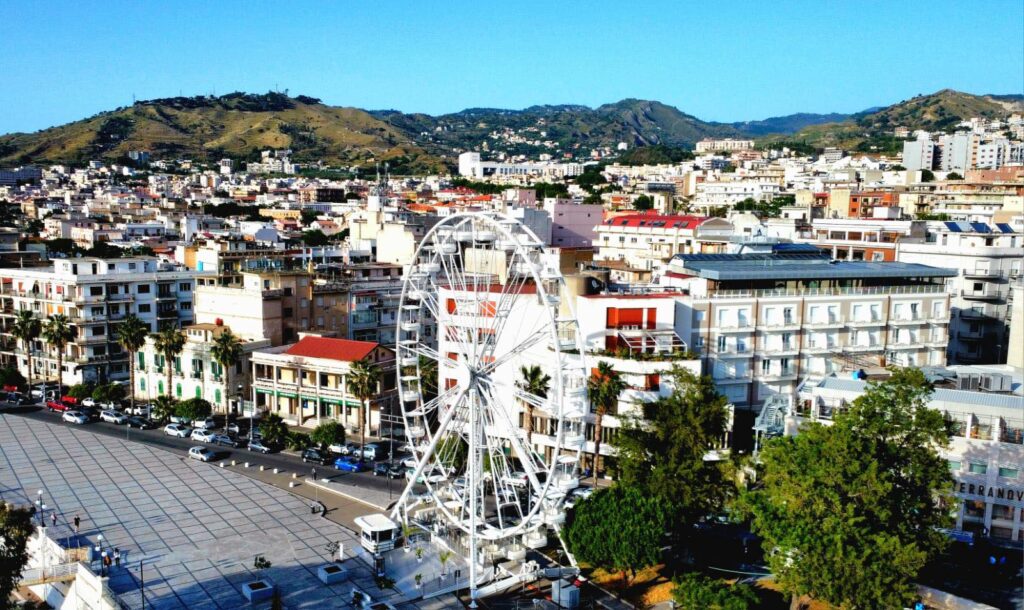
<point>96,295</point>
<point>572,224</point>
<point>306,382</point>
<point>986,452</point>
<point>987,258</point>
<point>231,258</point>
<point>861,239</point>
<point>763,321</point>
<point>645,241</point>
<point>194,372</point>
<point>730,192</point>
<point>723,145</point>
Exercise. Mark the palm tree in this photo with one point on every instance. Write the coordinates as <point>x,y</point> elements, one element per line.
<point>363,379</point>
<point>428,377</point>
<point>131,334</point>
<point>169,342</point>
<point>273,430</point>
<point>226,351</point>
<point>604,387</point>
<point>58,333</point>
<point>27,328</point>
<point>163,408</point>
<point>534,381</point>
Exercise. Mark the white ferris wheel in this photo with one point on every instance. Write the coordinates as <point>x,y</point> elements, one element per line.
<point>483,280</point>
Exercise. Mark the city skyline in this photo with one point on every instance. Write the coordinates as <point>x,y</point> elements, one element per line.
<point>394,57</point>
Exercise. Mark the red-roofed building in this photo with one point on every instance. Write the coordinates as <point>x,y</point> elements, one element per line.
<point>644,240</point>
<point>306,382</point>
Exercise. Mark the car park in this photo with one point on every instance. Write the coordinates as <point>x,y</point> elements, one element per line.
<point>203,454</point>
<point>74,417</point>
<point>113,417</point>
<point>203,436</point>
<point>258,446</point>
<point>141,423</point>
<point>315,456</point>
<point>349,464</point>
<point>178,430</point>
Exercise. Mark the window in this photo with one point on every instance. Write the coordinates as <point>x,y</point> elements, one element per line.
<point>977,468</point>
<point>186,306</point>
<point>96,291</point>
<point>143,289</point>
<point>955,465</point>
<point>145,308</point>
<point>184,287</point>
<point>1008,473</point>
<point>721,344</point>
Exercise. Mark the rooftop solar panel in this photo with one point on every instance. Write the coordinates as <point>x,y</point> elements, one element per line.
<point>952,226</point>
<point>1004,227</point>
<point>981,227</point>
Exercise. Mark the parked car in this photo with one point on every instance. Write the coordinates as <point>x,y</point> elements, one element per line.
<point>381,469</point>
<point>113,417</point>
<point>517,479</point>
<point>232,428</point>
<point>346,449</point>
<point>349,464</point>
<point>91,412</point>
<point>203,436</point>
<point>390,470</point>
<point>178,430</point>
<point>142,410</point>
<point>315,456</point>
<point>227,440</point>
<point>203,454</point>
<point>58,405</point>
<point>578,494</point>
<point>409,462</point>
<point>205,424</point>
<point>258,446</point>
<point>88,402</point>
<point>370,451</point>
<point>74,417</point>
<point>141,423</point>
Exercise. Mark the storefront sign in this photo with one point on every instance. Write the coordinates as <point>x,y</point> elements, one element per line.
<point>988,491</point>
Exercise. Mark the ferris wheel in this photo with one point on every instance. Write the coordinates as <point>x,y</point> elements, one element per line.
<point>494,455</point>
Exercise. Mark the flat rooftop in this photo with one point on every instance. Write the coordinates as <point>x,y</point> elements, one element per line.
<point>196,527</point>
<point>797,266</point>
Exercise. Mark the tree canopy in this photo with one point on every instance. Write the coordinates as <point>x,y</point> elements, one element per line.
<point>193,409</point>
<point>643,202</point>
<point>273,430</point>
<point>852,511</point>
<point>620,528</point>
<point>327,433</point>
<point>663,454</point>
<point>698,592</point>
<point>15,529</point>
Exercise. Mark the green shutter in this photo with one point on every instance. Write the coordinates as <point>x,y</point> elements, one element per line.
<point>177,390</point>
<point>199,392</point>
<point>142,384</point>
<point>216,395</point>
<point>160,384</point>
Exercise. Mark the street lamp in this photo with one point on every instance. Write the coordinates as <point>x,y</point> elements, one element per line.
<point>40,507</point>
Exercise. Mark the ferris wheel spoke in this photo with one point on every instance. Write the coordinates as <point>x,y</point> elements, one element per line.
<point>526,454</point>
<point>525,344</point>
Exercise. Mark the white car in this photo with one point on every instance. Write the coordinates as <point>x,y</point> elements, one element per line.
<point>114,417</point>
<point>74,417</point>
<point>580,493</point>
<point>205,424</point>
<point>517,479</point>
<point>203,454</point>
<point>203,436</point>
<point>409,462</point>
<point>88,402</point>
<point>178,430</point>
<point>140,410</point>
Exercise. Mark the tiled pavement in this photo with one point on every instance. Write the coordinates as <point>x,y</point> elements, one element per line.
<point>195,527</point>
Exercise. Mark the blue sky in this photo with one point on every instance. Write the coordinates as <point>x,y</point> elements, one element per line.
<point>722,61</point>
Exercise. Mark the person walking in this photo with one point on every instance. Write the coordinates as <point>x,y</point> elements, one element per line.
<point>53,518</point>
<point>104,563</point>
<point>78,523</point>
<point>117,557</point>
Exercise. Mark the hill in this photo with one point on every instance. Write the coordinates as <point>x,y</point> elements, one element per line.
<point>872,131</point>
<point>236,125</point>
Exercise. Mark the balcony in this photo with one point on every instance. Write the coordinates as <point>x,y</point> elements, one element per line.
<point>826,347</point>
<point>975,314</point>
<point>967,336</point>
<point>829,322</point>
<point>734,352</point>
<point>730,378</point>
<point>908,320</point>
<point>786,374</point>
<point>913,344</point>
<point>736,327</point>
<point>122,297</point>
<point>862,348</point>
<point>865,322</point>
<point>982,274</point>
<point>91,340</point>
<point>780,325</point>
<point>788,349</point>
<point>982,295</point>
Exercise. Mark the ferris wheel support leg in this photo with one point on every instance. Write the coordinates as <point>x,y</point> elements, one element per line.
<point>474,462</point>
<point>445,422</point>
<point>565,546</point>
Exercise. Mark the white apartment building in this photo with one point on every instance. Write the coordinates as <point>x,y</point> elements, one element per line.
<point>730,192</point>
<point>306,382</point>
<point>919,154</point>
<point>723,145</point>
<point>96,295</point>
<point>645,241</point>
<point>764,321</point>
<point>986,453</point>
<point>987,258</point>
<point>471,166</point>
<point>194,372</point>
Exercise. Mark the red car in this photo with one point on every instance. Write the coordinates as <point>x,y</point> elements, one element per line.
<point>64,404</point>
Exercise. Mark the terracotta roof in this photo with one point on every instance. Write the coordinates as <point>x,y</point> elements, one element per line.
<point>656,221</point>
<point>331,349</point>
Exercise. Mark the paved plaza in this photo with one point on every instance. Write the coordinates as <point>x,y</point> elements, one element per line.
<point>196,527</point>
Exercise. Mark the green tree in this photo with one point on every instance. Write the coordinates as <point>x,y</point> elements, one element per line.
<point>851,512</point>
<point>80,391</point>
<point>11,376</point>
<point>315,238</point>
<point>26,329</point>
<point>108,392</point>
<point>169,342</point>
<point>620,528</point>
<point>327,434</point>
<point>428,377</point>
<point>603,387</point>
<point>954,176</point>
<point>663,453</point>
<point>297,441</point>
<point>58,333</point>
<point>927,175</point>
<point>363,381</point>
<point>533,380</point>
<point>643,202</point>
<point>15,529</point>
<point>226,352</point>
<point>163,408</point>
<point>452,452</point>
<point>193,409</point>
<point>698,592</point>
<point>131,334</point>
<point>273,430</point>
